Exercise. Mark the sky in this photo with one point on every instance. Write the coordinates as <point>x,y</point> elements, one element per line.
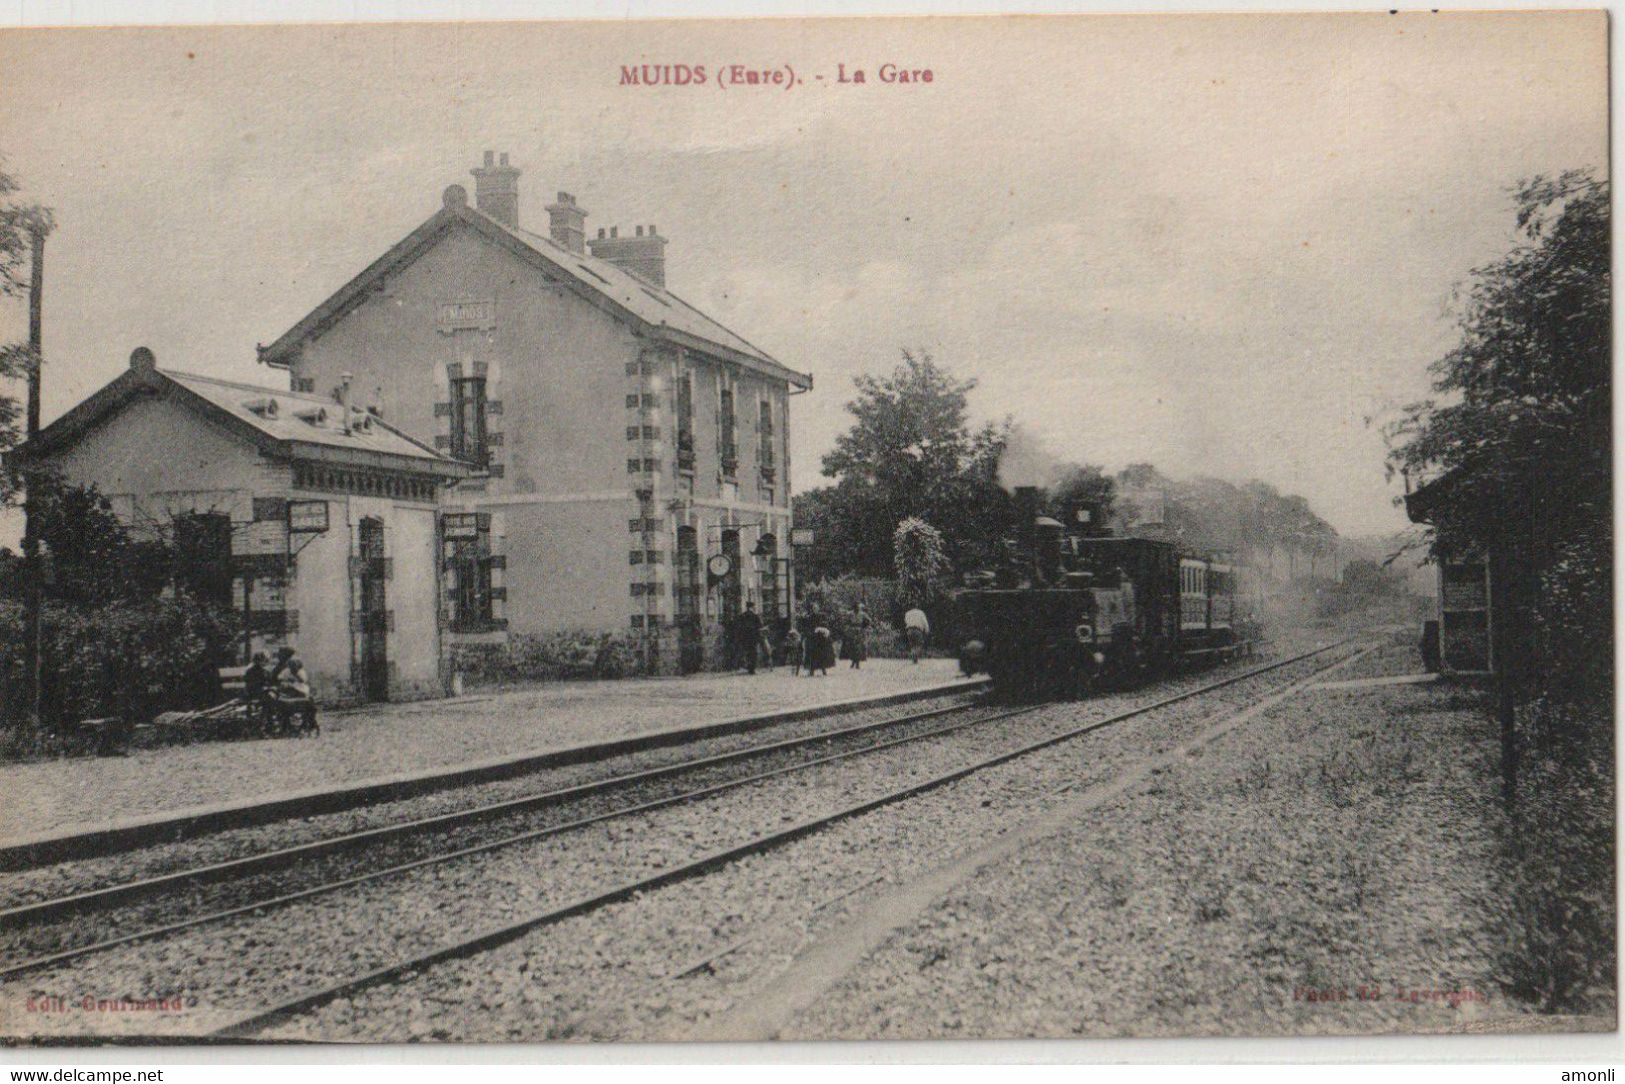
<point>1219,244</point>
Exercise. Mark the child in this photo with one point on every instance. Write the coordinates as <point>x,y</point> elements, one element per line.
<point>293,695</point>
<point>792,650</point>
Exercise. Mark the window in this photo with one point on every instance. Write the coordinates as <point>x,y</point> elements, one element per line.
<point>469,568</point>
<point>685,422</point>
<point>728,447</point>
<point>764,440</point>
<point>468,409</point>
<point>203,557</point>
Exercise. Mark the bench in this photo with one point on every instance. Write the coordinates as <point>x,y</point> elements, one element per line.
<point>231,679</point>
<point>102,733</point>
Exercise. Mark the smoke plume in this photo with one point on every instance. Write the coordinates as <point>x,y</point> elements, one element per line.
<point>1027,462</point>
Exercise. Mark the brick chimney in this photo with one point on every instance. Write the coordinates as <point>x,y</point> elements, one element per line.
<point>643,254</point>
<point>567,223</point>
<point>496,190</point>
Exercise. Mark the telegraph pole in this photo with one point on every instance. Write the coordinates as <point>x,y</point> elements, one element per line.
<point>34,633</point>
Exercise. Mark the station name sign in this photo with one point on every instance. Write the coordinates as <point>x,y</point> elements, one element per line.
<point>469,314</point>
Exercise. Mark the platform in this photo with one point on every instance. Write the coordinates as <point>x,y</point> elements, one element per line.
<point>389,750</point>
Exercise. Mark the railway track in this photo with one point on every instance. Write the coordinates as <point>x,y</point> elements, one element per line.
<point>247,1025</point>
<point>414,836</point>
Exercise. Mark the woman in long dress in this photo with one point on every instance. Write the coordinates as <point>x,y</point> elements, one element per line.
<point>856,647</point>
<point>820,647</point>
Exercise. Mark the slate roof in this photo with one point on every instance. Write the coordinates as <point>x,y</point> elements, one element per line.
<point>653,309</point>
<point>288,430</point>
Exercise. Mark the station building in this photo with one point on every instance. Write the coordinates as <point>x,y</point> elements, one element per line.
<point>315,521</point>
<point>629,454</point>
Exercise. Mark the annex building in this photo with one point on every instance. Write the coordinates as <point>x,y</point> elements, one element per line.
<point>314,521</point>
<point>628,455</point>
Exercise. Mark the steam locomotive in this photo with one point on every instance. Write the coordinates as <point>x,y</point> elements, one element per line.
<point>1071,607</point>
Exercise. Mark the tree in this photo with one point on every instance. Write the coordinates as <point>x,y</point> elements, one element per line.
<point>18,222</point>
<point>911,451</point>
<point>94,559</point>
<point>1212,515</point>
<point>1518,430</point>
<point>918,553</point>
<point>1084,483</point>
<point>1516,446</point>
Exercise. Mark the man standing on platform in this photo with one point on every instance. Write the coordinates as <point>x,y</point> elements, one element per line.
<point>748,634</point>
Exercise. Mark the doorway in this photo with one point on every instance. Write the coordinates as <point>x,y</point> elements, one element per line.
<point>373,611</point>
<point>690,635</point>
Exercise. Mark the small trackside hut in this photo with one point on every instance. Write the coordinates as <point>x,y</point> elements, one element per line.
<point>311,519</point>
<point>1463,637</point>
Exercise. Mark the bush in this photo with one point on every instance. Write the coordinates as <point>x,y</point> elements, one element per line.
<point>128,658</point>
<point>918,555</point>
<point>570,655</point>
<point>123,634</point>
<point>1559,851</point>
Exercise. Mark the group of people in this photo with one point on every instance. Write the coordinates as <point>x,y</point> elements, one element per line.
<point>280,693</point>
<point>814,651</point>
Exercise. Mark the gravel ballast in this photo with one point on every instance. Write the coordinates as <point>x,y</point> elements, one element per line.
<point>1329,869</point>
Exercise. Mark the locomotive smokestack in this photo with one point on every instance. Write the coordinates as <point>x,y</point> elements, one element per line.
<point>1026,516</point>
